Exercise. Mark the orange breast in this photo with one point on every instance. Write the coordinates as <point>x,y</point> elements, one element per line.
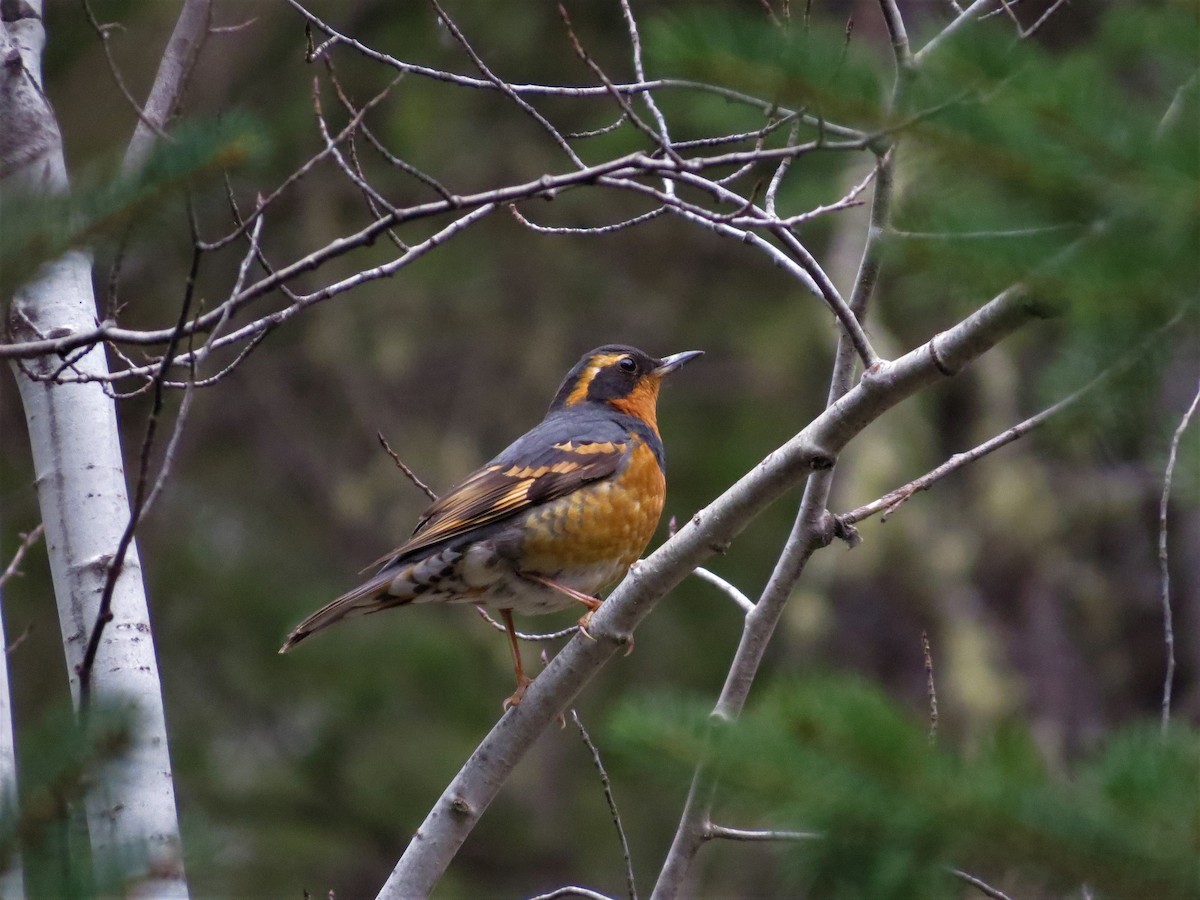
<point>610,521</point>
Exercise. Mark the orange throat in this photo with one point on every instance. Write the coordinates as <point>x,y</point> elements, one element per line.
<point>641,402</point>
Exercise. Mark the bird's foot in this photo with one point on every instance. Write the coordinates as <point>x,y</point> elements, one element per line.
<point>523,682</point>
<point>584,623</point>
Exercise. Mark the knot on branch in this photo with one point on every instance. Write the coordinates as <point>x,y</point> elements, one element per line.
<point>844,531</point>
<point>828,526</point>
<point>820,460</point>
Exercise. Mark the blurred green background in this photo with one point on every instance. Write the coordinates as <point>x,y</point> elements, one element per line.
<point>1034,571</point>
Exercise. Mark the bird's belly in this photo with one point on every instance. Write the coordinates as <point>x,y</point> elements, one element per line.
<point>530,598</point>
<point>586,540</point>
<point>607,523</point>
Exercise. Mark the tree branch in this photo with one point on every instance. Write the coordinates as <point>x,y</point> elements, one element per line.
<point>892,501</point>
<point>180,55</point>
<point>611,801</point>
<point>1164,568</point>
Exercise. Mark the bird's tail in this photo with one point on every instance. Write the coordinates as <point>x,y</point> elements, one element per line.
<point>369,597</point>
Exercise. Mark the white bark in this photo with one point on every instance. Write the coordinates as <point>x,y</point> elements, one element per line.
<point>81,492</point>
<point>12,882</point>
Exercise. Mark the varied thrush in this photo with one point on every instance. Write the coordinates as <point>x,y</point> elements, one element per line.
<point>555,518</point>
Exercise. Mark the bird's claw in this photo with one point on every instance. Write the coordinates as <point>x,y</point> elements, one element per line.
<point>515,700</point>
<point>583,625</point>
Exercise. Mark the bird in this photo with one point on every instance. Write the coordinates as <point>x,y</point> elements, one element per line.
<point>562,513</point>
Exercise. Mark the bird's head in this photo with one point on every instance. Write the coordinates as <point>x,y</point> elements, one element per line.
<point>621,377</point>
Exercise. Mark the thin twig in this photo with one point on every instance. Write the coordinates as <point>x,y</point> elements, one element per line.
<point>930,687</point>
<point>774,123</point>
<point>968,15</point>
<point>177,64</point>
<point>504,87</point>
<point>892,501</point>
<point>1164,568</point>
<point>661,139</point>
<point>780,171</point>
<point>640,87</point>
<point>27,541</point>
<point>408,473</point>
<point>523,636</point>
<point>572,891</point>
<point>103,32</point>
<point>1045,17</point>
<point>593,230</point>
<point>980,885</point>
<point>597,132</point>
<point>612,803</point>
<point>197,358</point>
<point>639,71</point>
<point>712,831</point>
<point>729,590</point>
<point>715,832</point>
<point>1175,107</point>
<point>984,235</point>
<point>897,33</point>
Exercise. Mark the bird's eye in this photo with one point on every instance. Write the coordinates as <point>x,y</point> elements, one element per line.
<point>627,364</point>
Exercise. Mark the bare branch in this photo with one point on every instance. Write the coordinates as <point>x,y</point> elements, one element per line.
<point>1175,107</point>
<point>612,803</point>
<point>597,132</point>
<point>1164,568</point>
<point>181,54</point>
<point>408,473</point>
<point>968,15</point>
<point>766,106</point>
<point>715,832</point>
<point>505,88</point>
<point>984,235</point>
<point>897,33</point>
<point>572,891</point>
<point>780,171</point>
<point>892,501</point>
<point>662,140</point>
<point>636,163</point>
<point>979,884</point>
<point>104,31</point>
<point>712,832</point>
<point>197,359</point>
<point>730,590</point>
<point>27,541</point>
<point>1042,20</point>
<point>930,687</point>
<point>804,267</point>
<point>593,230</point>
<point>523,636</point>
<point>639,71</point>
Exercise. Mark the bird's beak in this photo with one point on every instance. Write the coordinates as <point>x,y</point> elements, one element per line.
<point>669,364</point>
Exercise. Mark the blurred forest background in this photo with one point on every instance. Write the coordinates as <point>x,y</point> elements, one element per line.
<point>1034,572</point>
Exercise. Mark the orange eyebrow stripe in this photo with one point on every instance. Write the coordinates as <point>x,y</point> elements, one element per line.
<point>587,376</point>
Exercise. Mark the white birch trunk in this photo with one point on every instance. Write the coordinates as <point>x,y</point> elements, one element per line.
<point>82,495</point>
<point>12,881</point>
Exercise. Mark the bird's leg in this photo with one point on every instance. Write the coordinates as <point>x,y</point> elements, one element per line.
<point>523,681</point>
<point>592,603</point>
